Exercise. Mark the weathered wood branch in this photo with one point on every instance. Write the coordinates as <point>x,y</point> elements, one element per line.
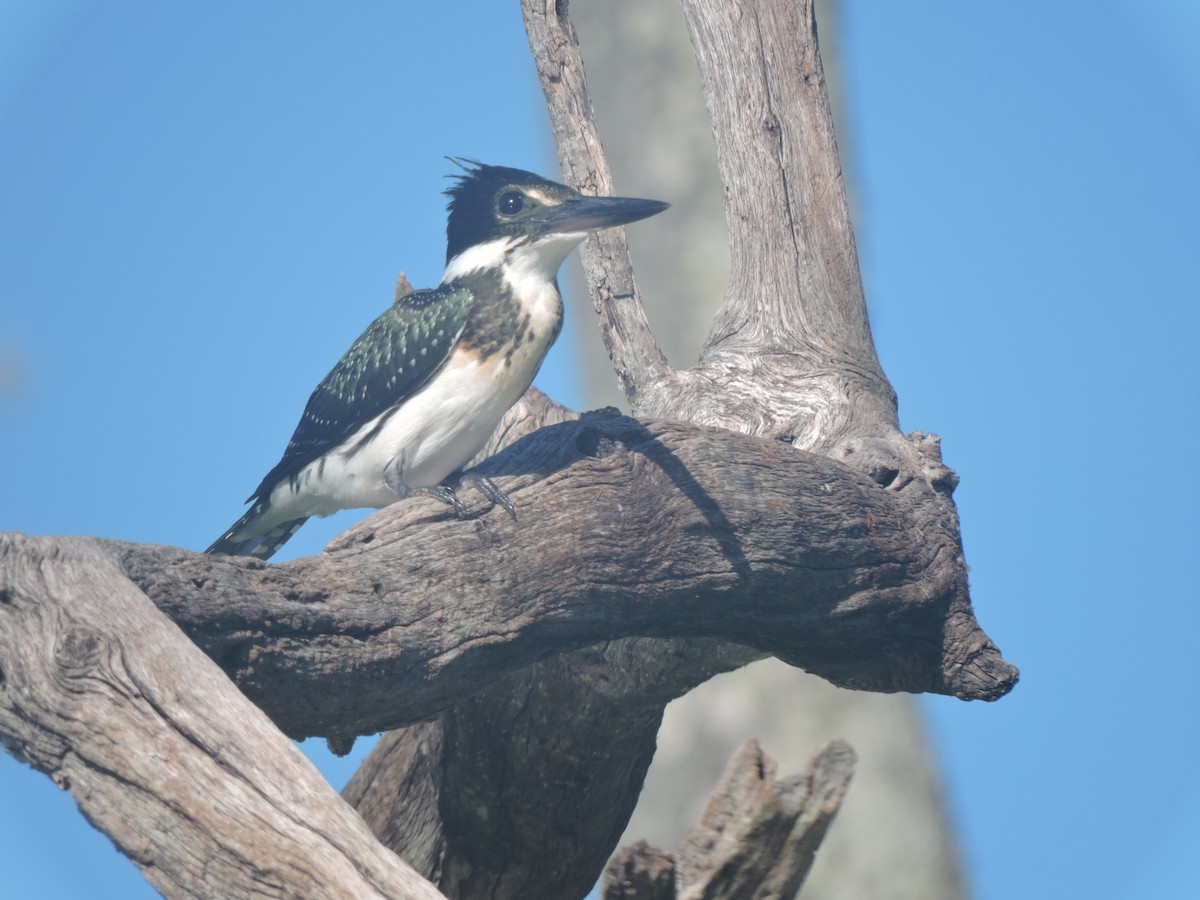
<point>755,840</point>
<point>635,354</point>
<point>757,836</point>
<point>790,353</point>
<point>103,693</point>
<point>796,288</point>
<point>739,538</point>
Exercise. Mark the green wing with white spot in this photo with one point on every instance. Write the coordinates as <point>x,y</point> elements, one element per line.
<point>397,354</point>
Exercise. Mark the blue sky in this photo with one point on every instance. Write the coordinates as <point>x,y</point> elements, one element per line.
<point>200,209</point>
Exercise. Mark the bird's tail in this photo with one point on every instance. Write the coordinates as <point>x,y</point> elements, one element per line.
<point>260,546</point>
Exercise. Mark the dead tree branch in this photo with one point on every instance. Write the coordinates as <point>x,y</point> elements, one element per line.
<point>748,540</point>
<point>755,840</point>
<point>635,354</point>
<point>163,754</point>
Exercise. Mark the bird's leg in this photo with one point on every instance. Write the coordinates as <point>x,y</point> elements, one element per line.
<point>448,490</point>
<point>444,491</point>
<point>392,478</point>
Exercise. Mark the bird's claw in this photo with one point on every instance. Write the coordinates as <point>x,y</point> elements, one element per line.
<point>488,488</point>
<point>448,491</point>
<point>446,494</point>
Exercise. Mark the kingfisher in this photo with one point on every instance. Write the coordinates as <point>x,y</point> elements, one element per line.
<point>419,393</point>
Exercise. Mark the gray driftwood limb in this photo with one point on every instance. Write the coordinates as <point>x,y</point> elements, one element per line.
<point>755,839</point>
<point>636,357</point>
<point>757,836</point>
<point>738,538</point>
<point>103,693</point>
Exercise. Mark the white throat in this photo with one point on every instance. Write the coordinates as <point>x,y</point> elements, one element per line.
<point>518,261</point>
<point>489,255</point>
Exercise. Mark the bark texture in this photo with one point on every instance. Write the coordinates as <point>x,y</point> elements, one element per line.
<point>524,669</point>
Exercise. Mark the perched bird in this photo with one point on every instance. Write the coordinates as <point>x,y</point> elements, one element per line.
<point>423,388</point>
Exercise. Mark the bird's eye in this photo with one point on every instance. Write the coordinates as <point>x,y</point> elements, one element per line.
<point>511,203</point>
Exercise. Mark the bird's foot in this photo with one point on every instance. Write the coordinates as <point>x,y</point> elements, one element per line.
<point>448,491</point>
<point>447,494</point>
<point>488,488</point>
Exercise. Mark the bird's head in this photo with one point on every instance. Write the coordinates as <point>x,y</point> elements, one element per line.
<point>495,203</point>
